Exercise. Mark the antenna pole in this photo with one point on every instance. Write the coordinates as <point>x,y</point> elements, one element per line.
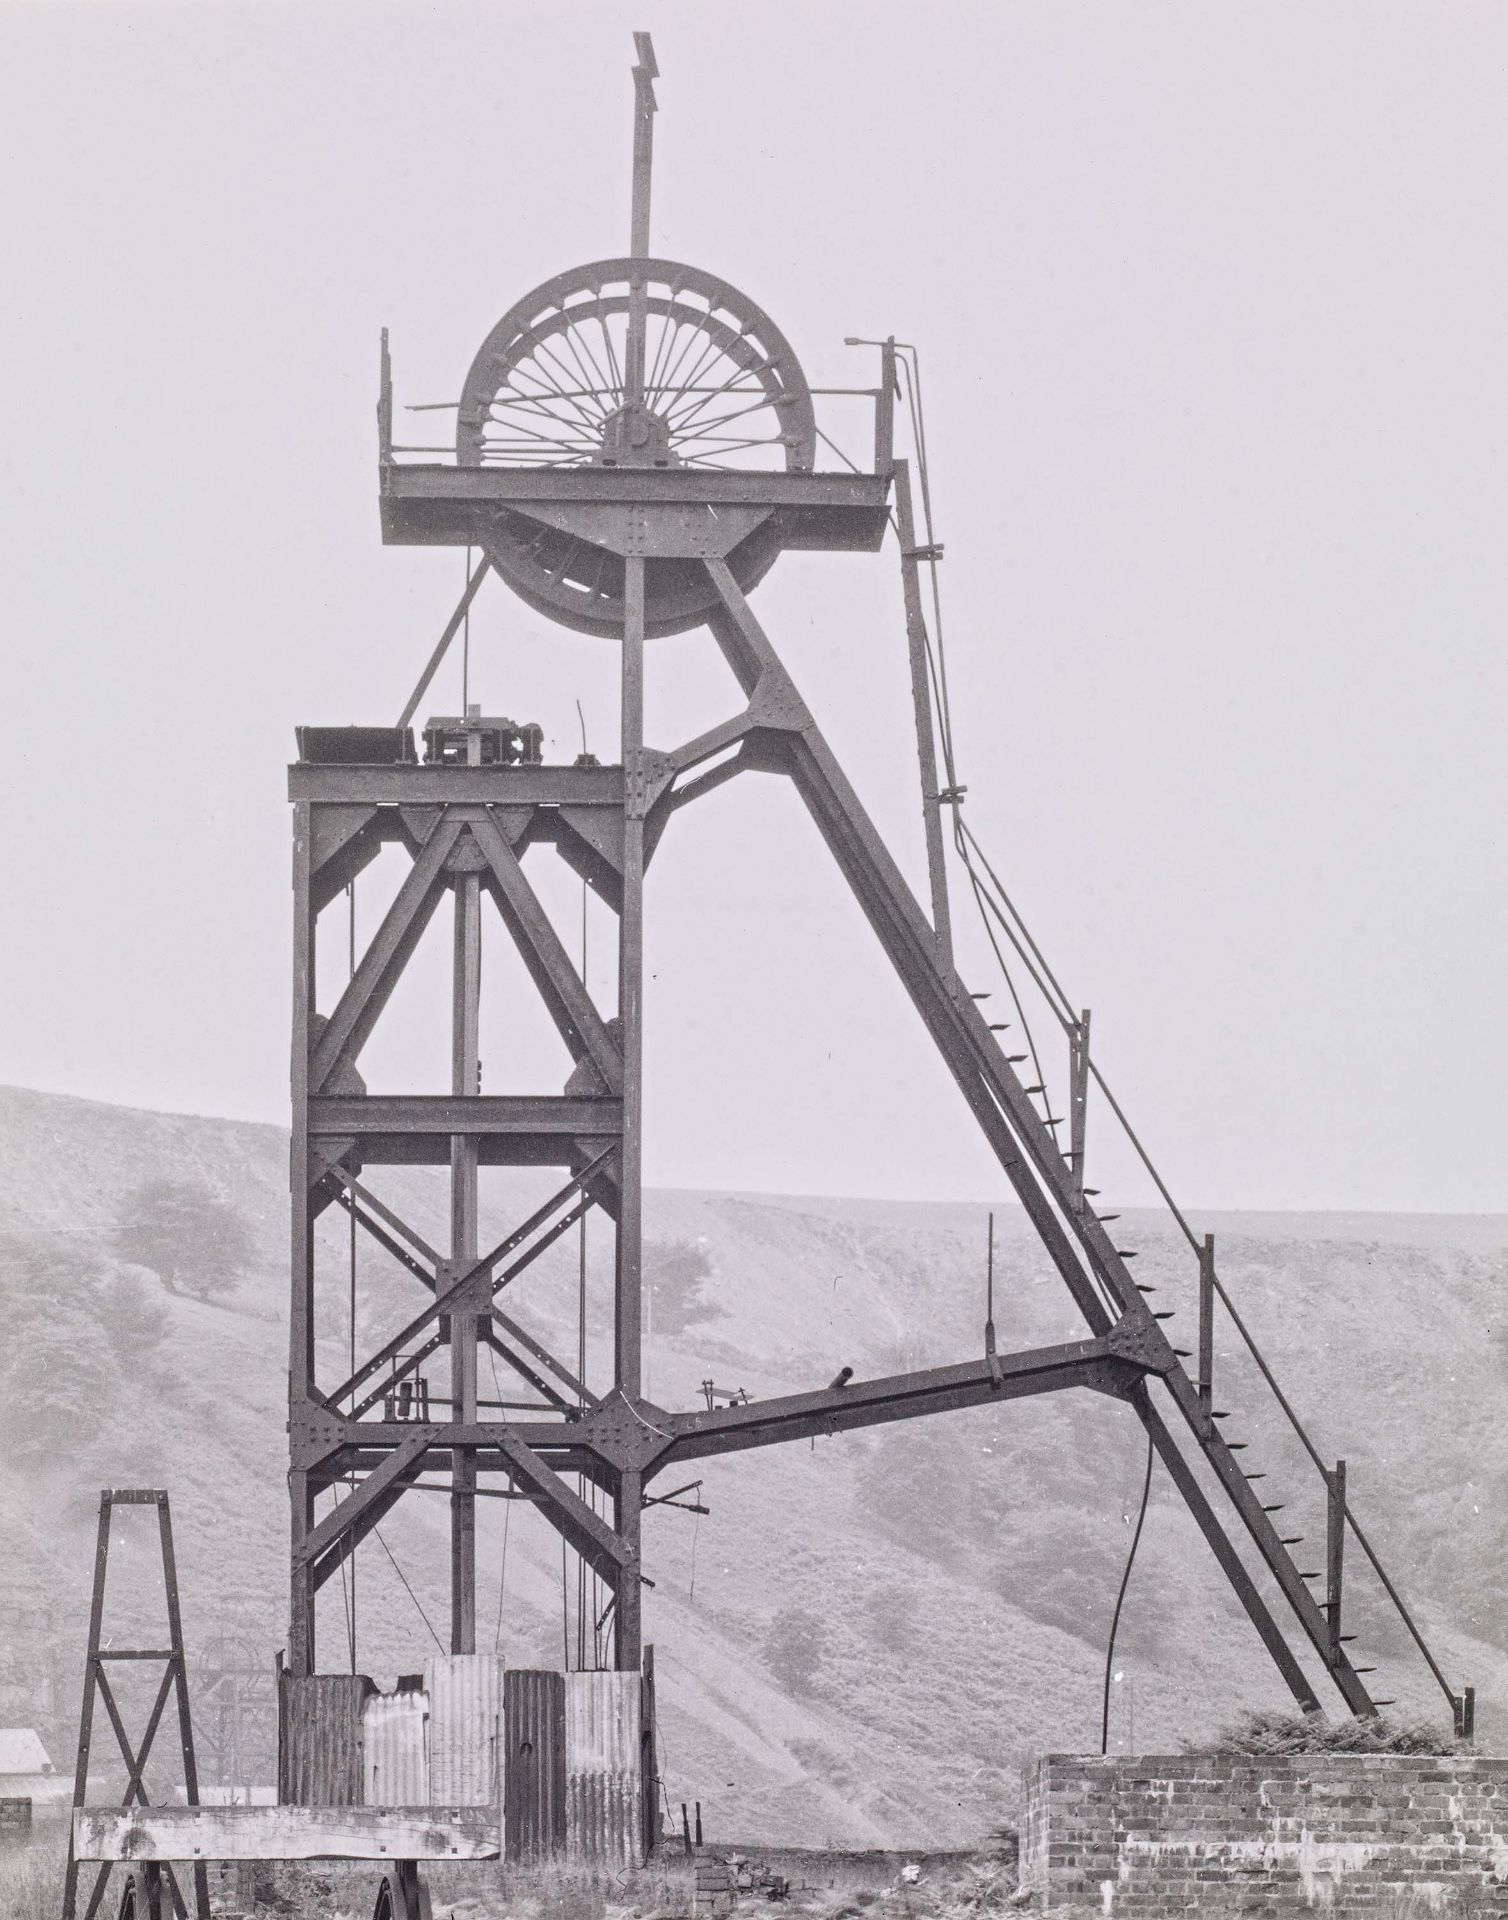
<point>645,74</point>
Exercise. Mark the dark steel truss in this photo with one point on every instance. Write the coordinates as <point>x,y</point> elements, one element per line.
<point>635,543</point>
<point>468,826</point>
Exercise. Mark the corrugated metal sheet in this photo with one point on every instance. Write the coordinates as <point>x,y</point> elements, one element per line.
<point>465,1728</point>
<point>534,1764</point>
<point>319,1739</point>
<point>396,1758</point>
<point>604,1767</point>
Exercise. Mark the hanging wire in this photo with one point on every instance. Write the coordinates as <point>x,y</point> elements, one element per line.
<point>502,1578</point>
<point>408,1589</point>
<point>1120,1600</point>
<point>345,1594</point>
<point>565,1606</point>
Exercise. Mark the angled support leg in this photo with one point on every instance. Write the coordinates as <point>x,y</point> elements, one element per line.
<point>1089,1263</point>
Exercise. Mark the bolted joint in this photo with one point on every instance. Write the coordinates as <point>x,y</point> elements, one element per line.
<point>629,1436</point>
<point>314,1435</point>
<point>646,774</point>
<point>1138,1338</point>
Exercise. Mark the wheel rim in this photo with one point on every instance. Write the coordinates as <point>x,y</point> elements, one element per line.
<point>723,391</point>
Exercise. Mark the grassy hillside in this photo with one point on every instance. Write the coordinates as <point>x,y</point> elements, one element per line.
<point>869,1633</point>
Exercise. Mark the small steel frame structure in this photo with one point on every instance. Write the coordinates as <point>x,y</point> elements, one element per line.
<point>596,474</point>
<point>148,1882</point>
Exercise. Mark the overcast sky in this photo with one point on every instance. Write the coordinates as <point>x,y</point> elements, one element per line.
<point>1211,305</point>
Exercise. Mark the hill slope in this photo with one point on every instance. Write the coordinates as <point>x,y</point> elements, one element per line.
<point>869,1633</point>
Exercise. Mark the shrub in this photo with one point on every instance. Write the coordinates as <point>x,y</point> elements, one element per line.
<point>676,1272</point>
<point>1275,1731</point>
<point>795,1647</point>
<point>192,1241</point>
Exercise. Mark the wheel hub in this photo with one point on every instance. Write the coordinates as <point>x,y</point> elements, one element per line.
<point>636,437</point>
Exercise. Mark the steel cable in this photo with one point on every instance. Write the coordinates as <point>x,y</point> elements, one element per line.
<point>1120,1600</point>
<point>408,1589</point>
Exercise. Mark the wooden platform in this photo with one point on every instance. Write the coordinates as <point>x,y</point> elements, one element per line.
<point>286,1833</point>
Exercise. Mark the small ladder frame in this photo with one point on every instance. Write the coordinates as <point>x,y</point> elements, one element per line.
<point>174,1683</point>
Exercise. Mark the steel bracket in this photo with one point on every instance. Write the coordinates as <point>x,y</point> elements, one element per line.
<point>777,707</point>
<point>1143,1343</point>
<point>466,856</point>
<point>315,1435</point>
<point>646,775</point>
<point>419,823</point>
<point>628,1435</point>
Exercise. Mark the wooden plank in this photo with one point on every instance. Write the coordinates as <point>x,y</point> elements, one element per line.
<point>285,1833</point>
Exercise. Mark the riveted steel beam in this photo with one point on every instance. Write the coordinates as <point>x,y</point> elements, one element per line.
<point>867,1403</point>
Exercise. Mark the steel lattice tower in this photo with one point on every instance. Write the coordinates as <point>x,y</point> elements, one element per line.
<point>636,445</point>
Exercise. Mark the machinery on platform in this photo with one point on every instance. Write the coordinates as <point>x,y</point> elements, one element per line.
<point>636,445</point>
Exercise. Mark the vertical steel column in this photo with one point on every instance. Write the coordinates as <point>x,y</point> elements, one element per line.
<point>921,701</point>
<point>1078,1104</point>
<point>86,1714</point>
<point>627,1305</point>
<point>1207,1326</point>
<point>465,1081</point>
<point>180,1684</point>
<point>301,1305</point>
<point>644,126</point>
<point>884,411</point>
<point>1335,1544</point>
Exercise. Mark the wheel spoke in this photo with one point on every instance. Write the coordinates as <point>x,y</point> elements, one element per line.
<point>612,359</point>
<point>518,429</point>
<point>709,356</point>
<point>674,325</point>
<point>707,399</point>
<point>570,338</point>
<point>563,401</point>
<point>543,351</point>
<point>693,334</point>
<point>722,419</point>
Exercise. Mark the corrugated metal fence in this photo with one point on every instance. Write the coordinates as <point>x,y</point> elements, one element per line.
<point>396,1749</point>
<point>604,1772</point>
<point>561,1755</point>
<point>320,1739</point>
<point>465,1729</point>
<point>534,1764</point>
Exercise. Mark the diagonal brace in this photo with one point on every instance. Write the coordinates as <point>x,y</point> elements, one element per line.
<point>540,947</point>
<point>346,1031</point>
<point>393,1475</point>
<point>584,1530</point>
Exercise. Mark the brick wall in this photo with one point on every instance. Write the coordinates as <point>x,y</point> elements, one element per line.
<point>1346,1834</point>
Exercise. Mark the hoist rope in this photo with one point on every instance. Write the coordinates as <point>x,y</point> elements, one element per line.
<point>408,1589</point>
<point>1120,1600</point>
<point>502,1578</point>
